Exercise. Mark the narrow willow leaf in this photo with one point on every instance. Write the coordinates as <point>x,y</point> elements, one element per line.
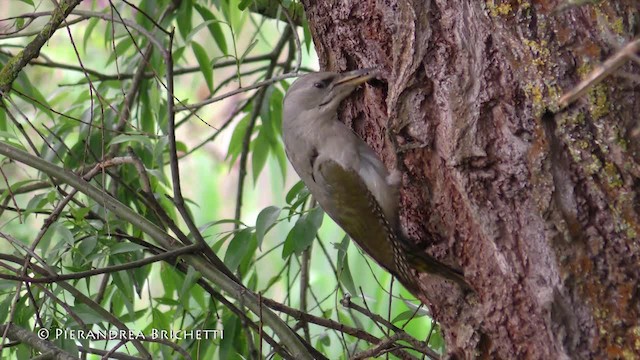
<point>259,154</point>
<point>123,138</point>
<point>235,144</point>
<point>185,16</point>
<point>214,27</point>
<point>343,265</point>
<point>204,63</point>
<point>87,33</point>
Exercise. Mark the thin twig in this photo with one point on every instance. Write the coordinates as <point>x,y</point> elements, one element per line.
<point>105,270</point>
<point>600,73</point>
<point>257,85</point>
<point>13,67</point>
<point>330,324</point>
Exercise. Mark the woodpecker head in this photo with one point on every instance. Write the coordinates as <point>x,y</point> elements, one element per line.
<point>322,92</point>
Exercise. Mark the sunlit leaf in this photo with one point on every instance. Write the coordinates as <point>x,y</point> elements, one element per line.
<point>406,315</point>
<point>214,27</point>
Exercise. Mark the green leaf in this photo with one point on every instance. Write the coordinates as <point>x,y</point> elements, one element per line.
<point>197,29</point>
<point>189,280</point>
<point>248,50</point>
<point>87,246</point>
<point>124,247</point>
<point>87,314</point>
<point>169,278</point>
<point>147,107</point>
<point>275,110</point>
<point>178,54</point>
<point>64,233</point>
<point>281,157</point>
<point>308,38</point>
<point>166,301</point>
<point>204,63</point>
<point>124,284</point>
<point>147,8</point>
<point>32,94</point>
<point>127,318</point>
<point>185,16</point>
<point>406,315</point>
<point>87,32</point>
<point>303,232</point>
<point>237,248</point>
<point>293,193</point>
<point>160,319</point>
<point>247,260</point>
<point>214,27</point>
<point>233,339</point>
<point>420,310</point>
<point>436,341</point>
<point>79,213</point>
<point>244,4</point>
<point>343,265</point>
<point>266,219</point>
<point>30,2</point>
<point>5,305</point>
<point>259,154</point>
<point>124,138</point>
<point>121,48</point>
<point>235,144</point>
<point>204,227</point>
<point>3,120</point>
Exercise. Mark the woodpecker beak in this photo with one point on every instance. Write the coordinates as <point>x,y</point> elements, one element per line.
<point>356,77</point>
<point>343,85</point>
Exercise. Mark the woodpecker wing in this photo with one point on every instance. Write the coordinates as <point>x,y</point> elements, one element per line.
<point>352,206</point>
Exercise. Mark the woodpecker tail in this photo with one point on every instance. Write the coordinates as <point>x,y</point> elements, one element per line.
<point>419,260</point>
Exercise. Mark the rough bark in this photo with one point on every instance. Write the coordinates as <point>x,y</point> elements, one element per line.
<point>539,210</point>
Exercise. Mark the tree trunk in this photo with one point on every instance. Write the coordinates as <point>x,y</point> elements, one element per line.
<point>539,210</point>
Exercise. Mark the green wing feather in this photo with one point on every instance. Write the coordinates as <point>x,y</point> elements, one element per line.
<point>352,206</point>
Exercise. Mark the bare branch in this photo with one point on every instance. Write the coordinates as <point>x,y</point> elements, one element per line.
<point>600,73</point>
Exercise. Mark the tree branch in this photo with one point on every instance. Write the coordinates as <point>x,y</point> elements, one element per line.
<point>213,274</point>
<point>13,67</point>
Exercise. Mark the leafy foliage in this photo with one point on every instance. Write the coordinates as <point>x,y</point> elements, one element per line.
<point>104,102</point>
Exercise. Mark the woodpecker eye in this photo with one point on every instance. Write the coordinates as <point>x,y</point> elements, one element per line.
<point>323,83</point>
